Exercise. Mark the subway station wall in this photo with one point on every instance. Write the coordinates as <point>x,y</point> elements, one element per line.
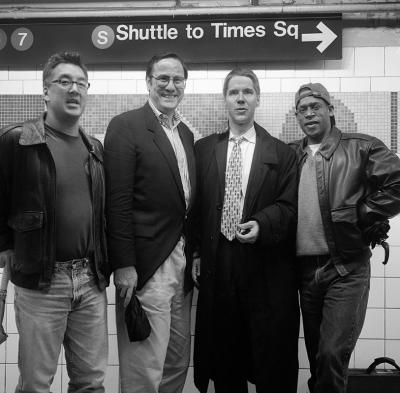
<point>365,86</point>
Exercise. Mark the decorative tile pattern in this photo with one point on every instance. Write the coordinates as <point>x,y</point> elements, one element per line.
<point>374,113</point>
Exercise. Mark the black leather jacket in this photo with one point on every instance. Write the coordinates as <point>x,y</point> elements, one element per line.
<point>27,204</point>
<point>358,181</point>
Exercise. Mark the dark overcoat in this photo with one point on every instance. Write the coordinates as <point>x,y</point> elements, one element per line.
<point>269,264</point>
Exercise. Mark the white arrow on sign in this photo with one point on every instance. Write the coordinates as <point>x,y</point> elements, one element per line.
<point>327,36</point>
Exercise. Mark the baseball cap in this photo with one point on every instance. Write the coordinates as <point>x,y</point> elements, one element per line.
<point>312,89</point>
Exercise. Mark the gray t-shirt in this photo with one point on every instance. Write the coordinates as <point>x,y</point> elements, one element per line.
<point>311,239</point>
<point>73,196</point>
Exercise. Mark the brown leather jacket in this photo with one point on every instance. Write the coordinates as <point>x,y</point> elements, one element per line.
<point>358,181</point>
<point>27,204</point>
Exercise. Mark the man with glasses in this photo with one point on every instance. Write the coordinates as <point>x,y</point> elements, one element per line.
<point>52,233</point>
<point>349,187</point>
<point>150,177</point>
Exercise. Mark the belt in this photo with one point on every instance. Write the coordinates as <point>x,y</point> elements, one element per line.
<point>73,263</point>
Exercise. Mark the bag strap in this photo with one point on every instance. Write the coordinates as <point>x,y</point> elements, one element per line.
<point>381,360</point>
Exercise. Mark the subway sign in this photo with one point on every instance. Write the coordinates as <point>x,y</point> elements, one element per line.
<point>216,39</point>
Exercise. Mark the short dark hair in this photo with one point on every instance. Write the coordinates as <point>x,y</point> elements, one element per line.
<point>239,71</point>
<point>62,58</point>
<point>167,55</point>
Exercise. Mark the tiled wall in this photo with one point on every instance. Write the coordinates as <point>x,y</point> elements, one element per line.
<point>365,86</point>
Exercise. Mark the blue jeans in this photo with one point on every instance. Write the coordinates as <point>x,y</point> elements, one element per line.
<point>333,307</point>
<point>73,313</point>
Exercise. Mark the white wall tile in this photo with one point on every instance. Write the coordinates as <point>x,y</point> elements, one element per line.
<point>377,268</point>
<point>366,351</point>
<point>112,349</point>
<point>217,74</point>
<point>56,385</point>
<point>12,375</point>
<point>331,84</point>
<point>394,233</point>
<point>303,358</point>
<point>189,383</point>
<point>308,69</point>
<point>10,293</point>
<point>141,87</point>
<point>98,87</point>
<point>11,87</point>
<point>393,324</point>
<point>392,269</point>
<point>4,73</point>
<point>369,61</point>
<point>112,327</point>
<point>261,73</point>
<point>355,84</point>
<point>33,87</point>
<point>271,85</point>
<point>111,292</point>
<point>343,67</point>
<point>393,292</point>
<point>189,89</point>
<point>10,326</point>
<point>385,83</point>
<point>281,70</point>
<point>64,379</point>
<point>301,330</point>
<point>304,375</point>
<point>374,324</point>
<point>2,358</point>
<point>198,74</point>
<point>128,73</point>
<point>12,348</point>
<point>291,85</point>
<point>208,86</point>
<point>2,378</point>
<point>125,86</point>
<point>111,382</point>
<point>377,293</point>
<point>392,61</point>
<point>19,75</point>
<point>393,350</point>
<point>105,74</point>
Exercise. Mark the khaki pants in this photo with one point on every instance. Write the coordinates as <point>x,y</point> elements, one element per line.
<point>158,364</point>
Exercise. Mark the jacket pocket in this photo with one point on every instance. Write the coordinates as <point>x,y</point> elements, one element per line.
<point>28,241</point>
<point>348,235</point>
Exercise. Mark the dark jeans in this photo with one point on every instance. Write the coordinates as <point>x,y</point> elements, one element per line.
<point>333,308</point>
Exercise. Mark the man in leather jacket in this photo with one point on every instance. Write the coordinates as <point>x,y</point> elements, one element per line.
<point>349,187</point>
<point>52,234</point>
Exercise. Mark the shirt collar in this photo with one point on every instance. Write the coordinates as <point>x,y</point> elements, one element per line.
<point>249,135</point>
<point>163,118</point>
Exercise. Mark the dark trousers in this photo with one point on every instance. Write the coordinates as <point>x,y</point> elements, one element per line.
<point>232,343</point>
<point>333,307</point>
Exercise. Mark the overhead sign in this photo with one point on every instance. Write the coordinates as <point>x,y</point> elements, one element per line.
<point>260,38</point>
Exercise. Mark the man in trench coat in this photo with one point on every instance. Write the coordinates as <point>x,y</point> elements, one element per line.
<point>247,314</point>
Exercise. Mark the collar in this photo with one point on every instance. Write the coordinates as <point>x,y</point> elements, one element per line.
<point>328,145</point>
<point>249,135</point>
<point>163,118</point>
<point>33,133</point>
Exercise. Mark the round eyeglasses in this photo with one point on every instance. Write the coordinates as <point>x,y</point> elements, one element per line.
<point>163,81</point>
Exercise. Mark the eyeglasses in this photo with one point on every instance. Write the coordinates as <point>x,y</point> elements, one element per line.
<point>163,81</point>
<point>67,84</point>
<point>313,107</point>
